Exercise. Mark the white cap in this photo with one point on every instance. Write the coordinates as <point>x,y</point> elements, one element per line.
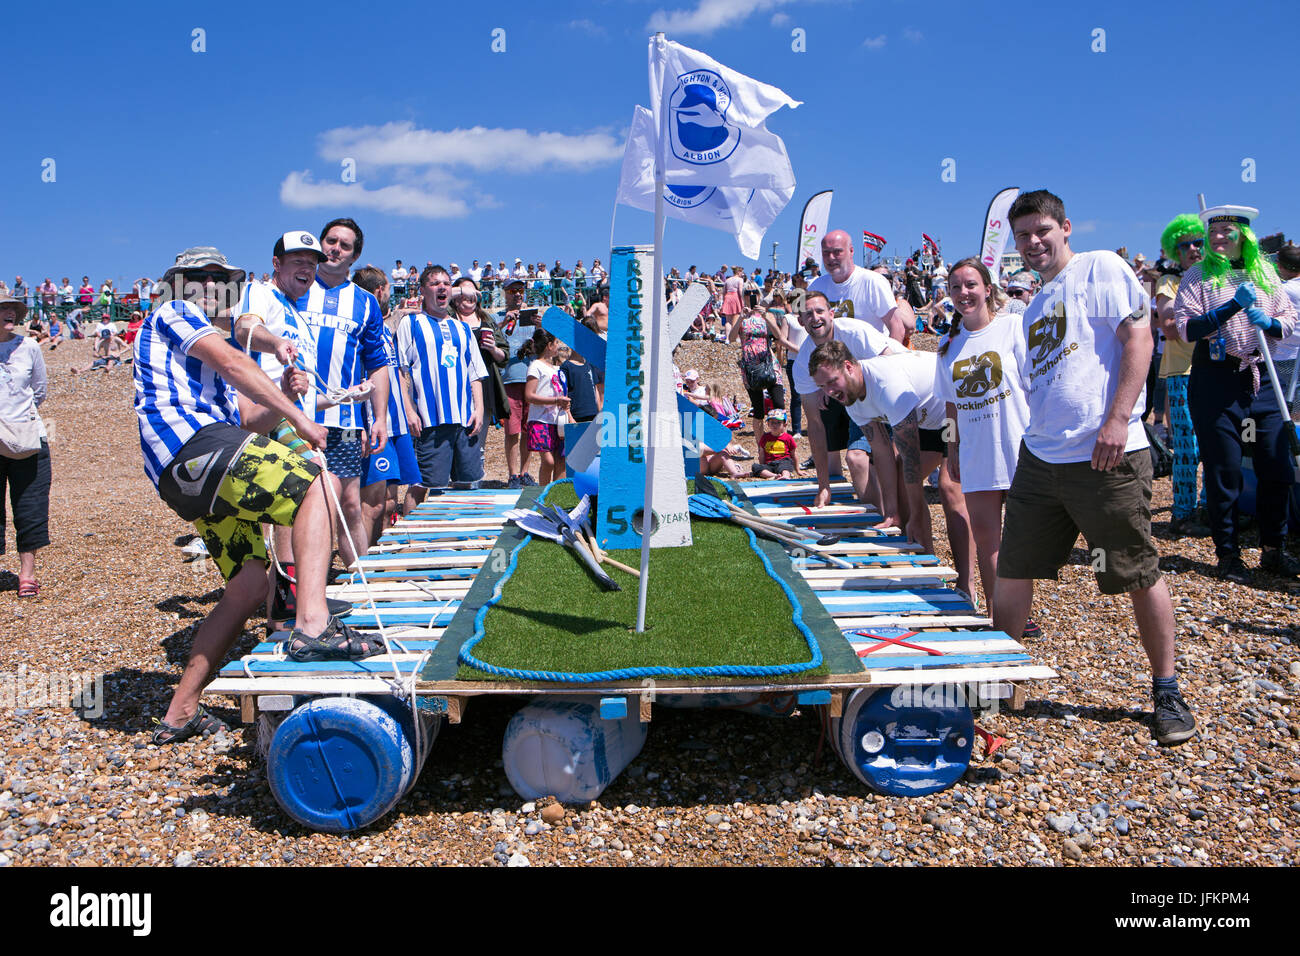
<point>1240,214</point>
<point>298,239</point>
<point>691,375</point>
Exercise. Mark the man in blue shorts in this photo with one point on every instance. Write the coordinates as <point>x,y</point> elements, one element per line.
<point>396,464</point>
<point>227,480</point>
<point>447,373</point>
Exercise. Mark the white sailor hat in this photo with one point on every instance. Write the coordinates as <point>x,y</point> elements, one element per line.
<point>295,240</point>
<point>1244,215</point>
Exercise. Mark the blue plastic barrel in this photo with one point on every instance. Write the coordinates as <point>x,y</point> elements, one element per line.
<point>562,747</point>
<point>906,741</point>
<point>339,763</point>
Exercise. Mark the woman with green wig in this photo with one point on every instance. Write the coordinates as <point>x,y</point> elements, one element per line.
<point>1221,302</point>
<point>1182,243</point>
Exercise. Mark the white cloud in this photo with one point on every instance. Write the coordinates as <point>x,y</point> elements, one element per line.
<point>1085,227</point>
<point>709,16</point>
<point>780,19</point>
<point>913,36</point>
<point>587,26</point>
<point>479,148</point>
<point>300,191</point>
<point>874,43</point>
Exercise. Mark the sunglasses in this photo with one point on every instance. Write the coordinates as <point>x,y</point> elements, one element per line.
<point>1191,244</point>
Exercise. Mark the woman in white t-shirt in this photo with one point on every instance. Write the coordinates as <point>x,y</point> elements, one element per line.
<point>547,395</point>
<point>979,377</point>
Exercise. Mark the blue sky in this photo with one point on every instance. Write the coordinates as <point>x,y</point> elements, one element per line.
<point>467,153</point>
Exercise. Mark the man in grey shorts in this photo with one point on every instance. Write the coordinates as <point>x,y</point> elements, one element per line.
<point>1084,464</point>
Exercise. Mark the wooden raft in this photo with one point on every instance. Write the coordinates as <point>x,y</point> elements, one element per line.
<point>901,623</point>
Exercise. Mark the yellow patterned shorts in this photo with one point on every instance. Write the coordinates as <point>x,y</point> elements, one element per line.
<point>265,484</point>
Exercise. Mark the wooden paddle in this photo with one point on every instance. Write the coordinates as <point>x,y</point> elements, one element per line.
<point>702,506</point>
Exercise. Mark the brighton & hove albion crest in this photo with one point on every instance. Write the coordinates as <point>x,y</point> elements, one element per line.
<point>976,377</point>
<point>699,132</point>
<point>688,197</point>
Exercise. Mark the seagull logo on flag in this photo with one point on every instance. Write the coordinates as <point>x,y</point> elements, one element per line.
<point>700,132</point>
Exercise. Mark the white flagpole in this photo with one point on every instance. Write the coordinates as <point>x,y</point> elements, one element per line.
<point>650,423</point>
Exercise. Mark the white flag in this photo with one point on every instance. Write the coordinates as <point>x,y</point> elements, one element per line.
<point>745,213</point>
<point>713,122</point>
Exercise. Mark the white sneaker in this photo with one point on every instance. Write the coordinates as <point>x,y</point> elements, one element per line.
<point>195,549</point>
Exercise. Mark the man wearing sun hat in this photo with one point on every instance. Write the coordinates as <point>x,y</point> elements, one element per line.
<point>227,480</point>
<point>1020,290</point>
<point>1223,299</point>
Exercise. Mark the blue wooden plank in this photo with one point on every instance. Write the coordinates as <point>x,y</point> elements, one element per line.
<point>413,645</point>
<point>868,560</point>
<point>926,661</point>
<point>811,697</point>
<point>426,618</point>
<point>425,574</point>
<point>862,635</point>
<point>339,668</point>
<point>403,555</point>
<point>451,534</point>
<point>896,607</point>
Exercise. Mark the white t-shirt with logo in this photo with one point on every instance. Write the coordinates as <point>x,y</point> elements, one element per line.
<point>898,385</point>
<point>550,384</point>
<point>862,340</point>
<point>864,295</point>
<point>980,374</point>
<point>1073,356</point>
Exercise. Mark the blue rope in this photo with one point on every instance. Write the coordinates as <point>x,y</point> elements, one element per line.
<point>633,673</point>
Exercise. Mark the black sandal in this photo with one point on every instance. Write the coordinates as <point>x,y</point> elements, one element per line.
<point>338,642</point>
<point>202,723</point>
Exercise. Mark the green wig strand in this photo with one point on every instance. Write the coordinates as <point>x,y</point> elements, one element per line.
<point>1216,267</point>
<point>1179,228</point>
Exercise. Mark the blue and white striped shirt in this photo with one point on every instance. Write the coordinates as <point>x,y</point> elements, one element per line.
<point>345,325</point>
<point>445,362</point>
<point>273,307</point>
<point>397,423</point>
<point>175,394</point>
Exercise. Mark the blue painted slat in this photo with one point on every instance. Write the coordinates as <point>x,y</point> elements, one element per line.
<point>413,645</point>
<point>438,619</point>
<point>811,697</point>
<point>921,637</point>
<point>429,574</point>
<point>450,553</point>
<point>418,537</point>
<point>926,661</point>
<point>341,668</point>
<point>897,607</point>
<point>872,560</point>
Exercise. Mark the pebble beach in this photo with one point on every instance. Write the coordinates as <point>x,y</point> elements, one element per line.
<point>1079,783</point>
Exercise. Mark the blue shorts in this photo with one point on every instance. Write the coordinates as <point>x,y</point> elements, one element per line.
<point>343,452</point>
<point>396,464</point>
<point>448,453</point>
<point>858,439</point>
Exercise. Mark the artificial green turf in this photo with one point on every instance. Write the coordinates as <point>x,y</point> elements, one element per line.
<point>710,604</point>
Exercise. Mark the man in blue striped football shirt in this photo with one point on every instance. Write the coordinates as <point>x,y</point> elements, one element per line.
<point>447,372</point>
<point>347,330</point>
<point>227,480</point>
